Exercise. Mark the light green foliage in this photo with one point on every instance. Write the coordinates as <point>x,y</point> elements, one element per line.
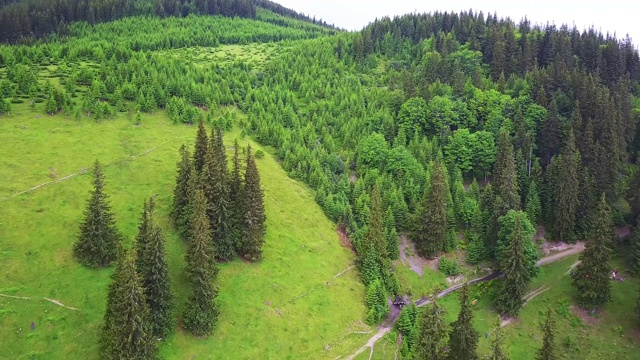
<point>376,300</point>
<point>508,224</point>
<point>413,115</point>
<point>372,152</point>
<point>448,267</point>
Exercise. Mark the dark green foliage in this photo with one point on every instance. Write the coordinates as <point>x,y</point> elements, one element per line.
<point>463,338</point>
<point>254,215</point>
<point>127,331</point>
<point>498,347</point>
<point>548,350</point>
<point>201,148</point>
<point>430,224</point>
<point>370,269</point>
<point>179,210</point>
<point>592,277</point>
<point>566,192</point>
<point>508,226</point>
<point>448,267</point>
<point>432,338</point>
<point>533,208</point>
<point>635,249</point>
<point>153,270</point>
<point>515,268</point>
<point>215,181</point>
<point>505,178</point>
<point>407,327</point>
<point>376,300</point>
<point>200,313</point>
<point>375,229</point>
<point>236,197</point>
<point>391,234</point>
<point>98,240</point>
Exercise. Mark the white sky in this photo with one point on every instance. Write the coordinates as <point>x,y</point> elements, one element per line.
<point>619,16</point>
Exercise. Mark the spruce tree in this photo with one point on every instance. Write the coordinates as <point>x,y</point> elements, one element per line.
<point>218,196</point>
<point>391,234</point>
<point>505,177</point>
<point>498,348</point>
<point>566,191</point>
<point>127,332</point>
<point>375,230</point>
<point>463,339</point>
<point>236,201</point>
<point>509,298</point>
<point>154,272</point>
<point>200,149</point>
<point>430,224</point>
<point>547,351</point>
<point>592,275</point>
<point>533,207</point>
<point>635,249</point>
<point>98,241</point>
<point>638,306</point>
<point>254,219</point>
<point>432,337</point>
<point>200,313</point>
<point>179,208</point>
<point>51,107</point>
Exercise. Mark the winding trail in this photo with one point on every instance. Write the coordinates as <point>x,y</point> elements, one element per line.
<point>387,325</point>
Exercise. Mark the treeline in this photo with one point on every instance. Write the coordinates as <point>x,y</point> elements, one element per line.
<point>507,48</point>
<point>35,19</point>
<point>289,13</point>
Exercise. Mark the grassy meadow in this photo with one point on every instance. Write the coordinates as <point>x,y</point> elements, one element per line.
<point>287,306</point>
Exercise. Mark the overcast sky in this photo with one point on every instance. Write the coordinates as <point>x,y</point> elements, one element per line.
<point>619,16</point>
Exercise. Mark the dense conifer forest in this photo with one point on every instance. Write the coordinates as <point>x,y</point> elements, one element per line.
<point>473,140</point>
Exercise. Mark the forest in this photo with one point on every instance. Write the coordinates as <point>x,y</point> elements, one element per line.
<point>463,140</point>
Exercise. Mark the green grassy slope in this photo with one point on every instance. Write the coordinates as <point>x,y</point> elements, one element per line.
<point>287,306</point>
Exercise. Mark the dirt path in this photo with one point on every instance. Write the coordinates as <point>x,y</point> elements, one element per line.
<point>387,325</point>
<point>54,301</point>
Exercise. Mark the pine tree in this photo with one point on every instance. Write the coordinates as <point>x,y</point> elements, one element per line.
<point>635,249</point>
<point>154,272</point>
<point>200,313</point>
<point>509,298</point>
<point>127,332</point>
<point>391,234</point>
<point>98,241</point>
<point>200,150</point>
<point>376,300</point>
<point>430,225</point>
<point>566,191</point>
<point>432,337</point>
<point>463,339</point>
<point>498,348</point>
<point>592,275</point>
<point>547,351</point>
<point>180,193</point>
<point>51,107</point>
<point>505,177</point>
<point>254,219</point>
<point>236,197</point>
<point>533,208</point>
<point>218,196</point>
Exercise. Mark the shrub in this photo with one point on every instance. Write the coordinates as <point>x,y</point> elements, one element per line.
<point>259,154</point>
<point>448,267</point>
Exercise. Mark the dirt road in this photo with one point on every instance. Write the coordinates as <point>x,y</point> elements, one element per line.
<point>387,325</point>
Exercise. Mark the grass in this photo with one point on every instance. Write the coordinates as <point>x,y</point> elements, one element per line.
<point>256,55</point>
<point>287,306</point>
<point>613,334</point>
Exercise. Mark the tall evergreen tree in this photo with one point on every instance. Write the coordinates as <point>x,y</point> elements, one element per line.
<point>635,249</point>
<point>98,241</point>
<point>152,267</point>
<point>432,337</point>
<point>512,288</point>
<point>200,313</point>
<point>236,197</point>
<point>533,207</point>
<point>592,275</point>
<point>463,339</point>
<point>127,332</point>
<point>375,229</point>
<point>430,224</point>
<point>391,234</point>
<point>498,348</point>
<point>566,191</point>
<point>254,215</point>
<point>217,191</point>
<point>180,192</point>
<point>505,177</point>
<point>548,351</point>
<point>200,150</point>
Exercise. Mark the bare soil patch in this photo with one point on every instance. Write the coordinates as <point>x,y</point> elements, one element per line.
<point>409,256</point>
<point>344,238</point>
<point>583,315</point>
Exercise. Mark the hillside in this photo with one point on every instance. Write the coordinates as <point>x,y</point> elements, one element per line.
<point>418,153</point>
